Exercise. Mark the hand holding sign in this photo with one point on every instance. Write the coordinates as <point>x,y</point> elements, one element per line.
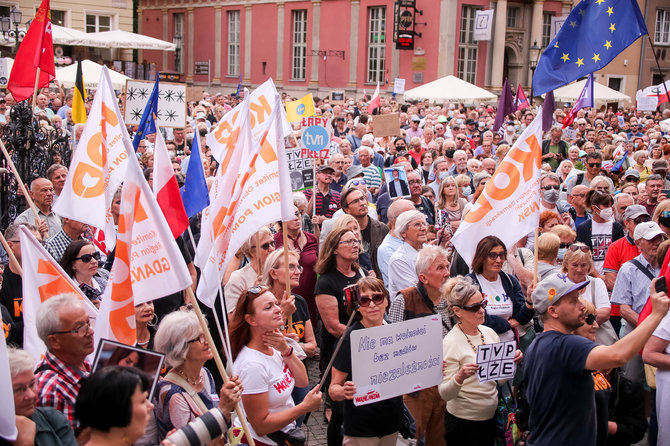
<point>496,361</point>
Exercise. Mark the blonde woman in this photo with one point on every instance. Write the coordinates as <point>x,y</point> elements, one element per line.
<point>449,205</point>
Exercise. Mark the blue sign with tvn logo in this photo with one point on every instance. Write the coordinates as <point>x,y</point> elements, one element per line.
<point>315,138</point>
<point>300,110</point>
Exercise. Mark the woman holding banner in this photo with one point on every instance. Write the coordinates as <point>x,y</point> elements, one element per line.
<point>375,423</point>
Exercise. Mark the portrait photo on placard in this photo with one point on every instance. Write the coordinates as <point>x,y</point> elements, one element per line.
<point>396,179</point>
<point>114,353</point>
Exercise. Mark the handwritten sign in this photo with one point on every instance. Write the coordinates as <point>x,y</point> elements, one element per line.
<point>496,361</point>
<point>570,134</point>
<point>396,359</point>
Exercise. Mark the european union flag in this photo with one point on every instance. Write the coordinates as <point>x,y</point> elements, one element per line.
<point>194,192</point>
<point>594,33</point>
<point>147,125</point>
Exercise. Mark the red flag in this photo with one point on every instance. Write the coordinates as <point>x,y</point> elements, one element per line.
<point>374,102</point>
<point>521,101</point>
<point>166,189</point>
<point>36,51</point>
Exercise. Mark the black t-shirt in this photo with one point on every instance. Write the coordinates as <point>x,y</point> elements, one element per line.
<point>560,391</point>
<point>11,296</point>
<point>366,234</point>
<point>298,318</point>
<point>370,420</point>
<point>427,209</point>
<point>603,391</point>
<point>8,330</point>
<point>332,284</point>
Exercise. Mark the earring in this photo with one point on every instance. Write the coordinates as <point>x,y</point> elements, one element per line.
<point>154,321</point>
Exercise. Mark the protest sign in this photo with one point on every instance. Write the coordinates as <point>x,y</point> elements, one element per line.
<point>315,137</point>
<point>569,134</point>
<point>386,125</point>
<point>301,169</point>
<point>483,24</point>
<point>396,359</point>
<point>646,102</point>
<point>399,85</point>
<point>496,361</point>
<point>337,97</point>
<point>5,68</point>
<point>171,103</point>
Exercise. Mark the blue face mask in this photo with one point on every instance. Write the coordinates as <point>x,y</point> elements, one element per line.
<point>443,175</point>
<point>467,191</point>
<point>561,253</point>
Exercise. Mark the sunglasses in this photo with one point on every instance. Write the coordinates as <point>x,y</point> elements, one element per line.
<point>590,319</point>
<point>496,255</point>
<point>358,183</point>
<point>258,289</point>
<point>88,257</point>
<point>377,298</point>
<point>582,248</point>
<point>646,218</point>
<point>265,246</point>
<point>594,164</point>
<point>551,186</point>
<point>632,179</point>
<point>474,307</point>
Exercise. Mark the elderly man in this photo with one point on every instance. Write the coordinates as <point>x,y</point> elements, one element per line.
<point>413,230</point>
<point>339,177</point>
<point>327,199</point>
<point>654,187</point>
<point>554,149</point>
<point>42,193</point>
<point>441,171</point>
<point>489,165</point>
<point>355,138</point>
<point>43,106</point>
<point>460,164</point>
<point>369,141</point>
<point>424,299</point>
<point>577,199</point>
<point>392,241</point>
<point>57,174</point>
<point>621,203</point>
<point>373,178</point>
<point>64,325</point>
<point>421,203</point>
<point>72,230</point>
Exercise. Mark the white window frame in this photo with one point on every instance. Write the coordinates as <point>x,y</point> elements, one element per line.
<point>514,17</point>
<point>376,60</point>
<point>662,29</point>
<point>178,20</point>
<point>96,26</point>
<point>234,42</point>
<point>299,44</point>
<point>546,29</point>
<point>468,48</point>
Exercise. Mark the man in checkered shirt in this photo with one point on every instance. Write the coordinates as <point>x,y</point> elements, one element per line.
<point>72,230</point>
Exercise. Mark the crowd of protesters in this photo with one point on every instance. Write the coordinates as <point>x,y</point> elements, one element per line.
<point>589,371</point>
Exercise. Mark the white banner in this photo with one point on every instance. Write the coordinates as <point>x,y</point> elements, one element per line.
<point>483,24</point>
<point>98,165</point>
<point>396,359</point>
<point>171,103</point>
<point>556,23</point>
<point>509,206</point>
<point>8,429</point>
<point>6,64</point>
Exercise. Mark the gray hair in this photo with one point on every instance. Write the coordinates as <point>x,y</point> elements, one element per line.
<point>19,361</point>
<point>367,149</point>
<point>460,152</point>
<point>173,334</point>
<point>427,256</point>
<point>550,176</point>
<point>48,314</point>
<point>478,177</point>
<point>405,219</point>
<point>458,291</point>
<point>299,198</point>
<point>392,213</point>
<point>621,195</point>
<point>272,262</point>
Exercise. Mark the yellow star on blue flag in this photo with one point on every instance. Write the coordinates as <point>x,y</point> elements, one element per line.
<point>594,25</point>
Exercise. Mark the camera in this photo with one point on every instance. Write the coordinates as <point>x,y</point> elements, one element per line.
<point>202,430</point>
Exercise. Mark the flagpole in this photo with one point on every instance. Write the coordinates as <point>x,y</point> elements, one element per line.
<point>658,65</point>
<point>12,167</point>
<point>12,258</point>
<point>537,234</point>
<point>37,81</point>
<point>288,273</point>
<point>219,363</point>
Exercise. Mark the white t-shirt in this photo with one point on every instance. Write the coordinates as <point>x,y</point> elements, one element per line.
<point>596,292</point>
<point>497,302</point>
<point>261,373</point>
<point>601,239</point>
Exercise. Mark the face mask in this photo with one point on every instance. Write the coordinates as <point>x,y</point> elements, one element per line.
<point>510,128</point>
<point>550,196</point>
<point>606,214</point>
<point>635,145</point>
<point>467,191</point>
<point>459,121</point>
<point>443,175</point>
<point>561,253</point>
<point>172,155</point>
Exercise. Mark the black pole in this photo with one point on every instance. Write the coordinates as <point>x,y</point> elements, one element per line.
<point>658,65</point>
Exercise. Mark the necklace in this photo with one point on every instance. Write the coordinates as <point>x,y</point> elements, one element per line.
<point>467,338</point>
<point>143,343</point>
<point>192,382</point>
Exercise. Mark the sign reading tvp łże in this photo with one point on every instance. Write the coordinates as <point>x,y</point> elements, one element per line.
<point>396,359</point>
<point>496,361</point>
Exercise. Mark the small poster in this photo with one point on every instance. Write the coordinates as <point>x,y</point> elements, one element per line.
<point>171,102</point>
<point>483,24</point>
<point>399,85</point>
<point>496,361</point>
<point>396,180</point>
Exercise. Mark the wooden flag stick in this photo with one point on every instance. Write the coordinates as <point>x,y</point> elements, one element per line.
<point>217,360</point>
<point>288,273</point>
<point>12,258</point>
<point>337,349</point>
<point>12,167</point>
<point>37,81</point>
<point>537,236</point>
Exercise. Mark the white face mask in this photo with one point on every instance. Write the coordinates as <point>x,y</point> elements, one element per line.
<point>606,214</point>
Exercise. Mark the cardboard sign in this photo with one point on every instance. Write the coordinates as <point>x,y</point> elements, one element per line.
<point>171,103</point>
<point>386,125</point>
<point>337,97</point>
<point>396,359</point>
<point>496,361</point>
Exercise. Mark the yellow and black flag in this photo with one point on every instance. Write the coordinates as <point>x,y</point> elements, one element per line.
<point>79,99</point>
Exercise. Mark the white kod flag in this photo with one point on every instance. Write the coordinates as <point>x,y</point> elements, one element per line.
<point>8,429</point>
<point>509,206</point>
<point>98,164</point>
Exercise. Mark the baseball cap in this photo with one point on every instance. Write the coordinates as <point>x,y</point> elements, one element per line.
<point>550,290</point>
<point>632,173</point>
<point>442,118</point>
<point>354,171</point>
<point>326,167</point>
<point>470,122</point>
<point>633,211</point>
<point>200,115</point>
<point>415,118</point>
<point>659,164</point>
<point>647,230</point>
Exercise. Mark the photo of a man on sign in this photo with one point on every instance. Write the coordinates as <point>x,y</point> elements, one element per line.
<point>397,182</point>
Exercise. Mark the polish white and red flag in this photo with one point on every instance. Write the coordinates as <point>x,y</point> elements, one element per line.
<point>374,102</point>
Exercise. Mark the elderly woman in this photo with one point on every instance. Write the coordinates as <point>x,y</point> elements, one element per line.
<point>268,367</point>
<point>256,249</point>
<point>640,157</point>
<point>548,219</point>
<point>145,325</point>
<point>36,425</point>
<point>187,391</point>
<point>471,405</point>
<point>412,228</point>
<point>80,261</point>
<point>307,246</point>
<point>375,423</point>
<point>564,169</point>
<point>507,305</point>
<point>449,206</point>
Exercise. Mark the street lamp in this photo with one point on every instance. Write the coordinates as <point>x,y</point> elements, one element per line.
<point>15,16</point>
<point>177,43</point>
<point>534,56</point>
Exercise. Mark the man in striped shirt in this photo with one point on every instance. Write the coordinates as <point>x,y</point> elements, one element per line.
<point>327,199</point>
<point>371,173</point>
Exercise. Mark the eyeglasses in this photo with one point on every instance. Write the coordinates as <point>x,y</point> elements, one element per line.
<point>632,179</point>
<point>377,298</point>
<point>353,241</point>
<point>358,183</point>
<point>497,255</point>
<point>265,246</point>
<point>461,139</point>
<point>551,186</point>
<point>594,164</point>
<point>356,200</point>
<point>79,331</point>
<point>474,307</point>
<point>88,257</point>
<point>400,146</point>
<point>579,195</point>
<point>201,339</point>
<point>575,247</point>
<point>292,268</point>
<point>414,182</point>
<point>646,218</point>
<point>590,319</point>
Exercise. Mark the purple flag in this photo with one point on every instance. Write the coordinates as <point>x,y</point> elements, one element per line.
<point>548,111</point>
<point>505,106</point>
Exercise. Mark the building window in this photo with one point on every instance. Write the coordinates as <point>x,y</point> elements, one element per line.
<point>546,29</point>
<point>513,17</point>
<point>233,43</point>
<point>299,43</point>
<point>467,46</point>
<point>58,17</point>
<point>662,34</point>
<point>376,44</point>
<point>98,23</point>
<point>178,28</point>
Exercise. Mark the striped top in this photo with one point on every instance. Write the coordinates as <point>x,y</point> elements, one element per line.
<point>327,204</point>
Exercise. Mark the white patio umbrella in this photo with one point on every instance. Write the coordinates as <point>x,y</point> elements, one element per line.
<point>91,73</point>
<point>450,89</point>
<point>74,37</point>
<point>125,39</point>
<point>601,93</point>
